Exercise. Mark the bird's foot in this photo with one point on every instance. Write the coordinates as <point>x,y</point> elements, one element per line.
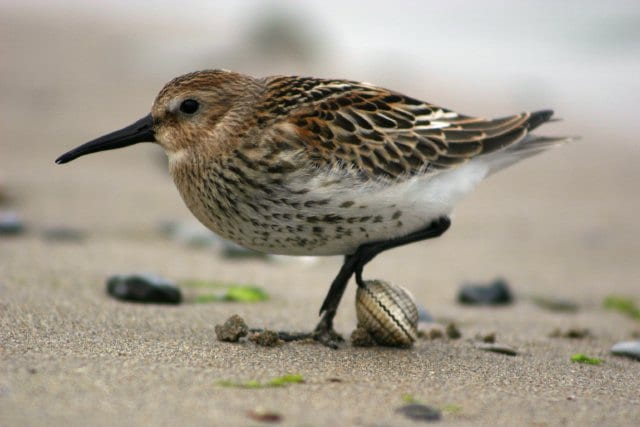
<point>325,334</point>
<point>326,337</point>
<point>285,335</point>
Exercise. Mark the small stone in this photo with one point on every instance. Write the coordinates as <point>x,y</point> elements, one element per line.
<point>430,330</point>
<point>570,333</point>
<point>496,293</point>
<point>266,338</point>
<point>143,288</point>
<point>452,331</point>
<point>498,348</point>
<point>487,338</point>
<point>627,348</point>
<point>232,330</point>
<point>64,234</point>
<point>264,415</point>
<point>10,224</point>
<point>435,333</point>
<point>420,412</point>
<point>556,304</point>
<point>361,338</point>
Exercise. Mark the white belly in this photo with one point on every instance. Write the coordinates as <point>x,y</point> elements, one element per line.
<point>336,214</point>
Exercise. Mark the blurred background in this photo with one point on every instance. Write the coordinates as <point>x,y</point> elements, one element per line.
<point>72,70</point>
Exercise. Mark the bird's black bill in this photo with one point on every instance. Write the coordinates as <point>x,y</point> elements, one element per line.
<point>140,131</point>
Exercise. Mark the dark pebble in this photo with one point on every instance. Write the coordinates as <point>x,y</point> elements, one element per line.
<point>143,288</point>
<point>496,293</point>
<point>627,348</point>
<point>489,338</point>
<point>435,334</point>
<point>420,412</point>
<point>64,234</point>
<point>232,330</point>
<point>452,331</point>
<point>10,224</point>
<point>576,333</point>
<point>498,348</point>
<point>265,415</point>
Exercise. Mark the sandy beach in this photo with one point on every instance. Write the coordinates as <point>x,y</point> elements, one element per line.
<point>560,225</point>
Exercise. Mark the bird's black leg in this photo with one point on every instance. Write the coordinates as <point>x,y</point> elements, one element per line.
<point>355,263</point>
<point>324,332</point>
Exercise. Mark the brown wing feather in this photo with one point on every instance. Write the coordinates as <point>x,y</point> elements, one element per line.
<point>383,133</point>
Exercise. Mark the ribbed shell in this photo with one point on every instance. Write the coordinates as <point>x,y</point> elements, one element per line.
<point>388,313</point>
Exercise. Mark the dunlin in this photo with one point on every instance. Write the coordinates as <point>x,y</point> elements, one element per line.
<point>306,166</point>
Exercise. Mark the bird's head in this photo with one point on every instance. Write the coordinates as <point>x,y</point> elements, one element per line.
<point>186,113</point>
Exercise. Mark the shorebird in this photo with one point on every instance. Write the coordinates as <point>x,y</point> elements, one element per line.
<point>308,166</point>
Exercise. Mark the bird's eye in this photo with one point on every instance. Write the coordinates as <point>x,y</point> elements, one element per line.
<point>189,106</point>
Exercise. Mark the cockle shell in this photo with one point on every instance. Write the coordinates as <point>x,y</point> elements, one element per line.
<point>388,313</point>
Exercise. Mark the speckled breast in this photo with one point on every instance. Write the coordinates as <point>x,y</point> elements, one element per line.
<point>311,215</point>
